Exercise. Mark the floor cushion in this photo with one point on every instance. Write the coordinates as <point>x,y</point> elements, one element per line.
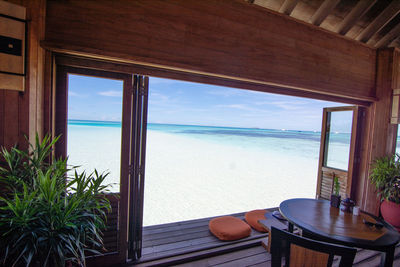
<point>229,228</point>
<point>252,218</point>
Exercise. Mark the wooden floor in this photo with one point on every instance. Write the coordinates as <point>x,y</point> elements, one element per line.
<point>190,243</point>
<point>173,239</point>
<point>257,256</point>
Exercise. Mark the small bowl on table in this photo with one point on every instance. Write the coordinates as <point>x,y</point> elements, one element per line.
<point>347,205</point>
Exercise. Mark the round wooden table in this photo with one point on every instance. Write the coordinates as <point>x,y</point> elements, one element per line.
<point>318,220</point>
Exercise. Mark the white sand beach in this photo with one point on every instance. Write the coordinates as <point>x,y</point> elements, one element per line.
<point>189,177</point>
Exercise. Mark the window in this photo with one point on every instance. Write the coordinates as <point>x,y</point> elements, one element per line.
<point>94,126</point>
<point>338,138</point>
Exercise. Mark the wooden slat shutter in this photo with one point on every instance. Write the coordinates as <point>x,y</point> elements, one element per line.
<point>111,233</point>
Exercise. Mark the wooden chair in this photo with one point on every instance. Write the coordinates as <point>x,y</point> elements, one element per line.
<point>301,252</point>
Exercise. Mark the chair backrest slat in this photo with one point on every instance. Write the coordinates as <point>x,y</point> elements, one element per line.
<point>299,251</point>
<point>307,257</point>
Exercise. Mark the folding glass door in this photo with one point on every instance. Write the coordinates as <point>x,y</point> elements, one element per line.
<point>101,117</point>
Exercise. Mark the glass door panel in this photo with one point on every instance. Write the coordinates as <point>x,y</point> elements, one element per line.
<point>94,126</point>
<point>93,117</point>
<point>338,138</point>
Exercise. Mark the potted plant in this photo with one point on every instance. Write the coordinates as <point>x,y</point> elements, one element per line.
<point>385,175</point>
<point>46,217</point>
<point>335,197</point>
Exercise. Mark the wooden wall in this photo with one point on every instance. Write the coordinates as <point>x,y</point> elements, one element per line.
<point>379,134</point>
<point>222,38</point>
<point>21,112</point>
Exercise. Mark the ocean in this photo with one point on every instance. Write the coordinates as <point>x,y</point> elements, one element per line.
<point>201,171</point>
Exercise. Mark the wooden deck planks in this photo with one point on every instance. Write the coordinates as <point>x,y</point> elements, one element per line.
<point>170,249</point>
<point>172,239</point>
<point>245,257</point>
<point>173,243</point>
<point>200,254</point>
<point>257,257</point>
<point>237,255</point>
<point>246,261</point>
<point>368,258</point>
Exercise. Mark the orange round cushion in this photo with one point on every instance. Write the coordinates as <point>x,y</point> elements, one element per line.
<point>252,218</point>
<point>229,228</point>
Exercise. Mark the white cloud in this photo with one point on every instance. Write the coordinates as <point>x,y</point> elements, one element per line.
<point>158,97</point>
<point>244,107</point>
<point>161,81</point>
<point>286,105</point>
<point>289,105</point>
<point>225,92</point>
<point>75,94</point>
<point>111,93</point>
<point>234,106</point>
<point>252,92</point>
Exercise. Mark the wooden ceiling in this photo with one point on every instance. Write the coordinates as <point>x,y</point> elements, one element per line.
<point>373,22</point>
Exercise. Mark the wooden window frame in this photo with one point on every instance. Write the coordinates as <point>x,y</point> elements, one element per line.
<point>354,153</point>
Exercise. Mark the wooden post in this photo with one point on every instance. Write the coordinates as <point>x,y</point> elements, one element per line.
<point>35,68</point>
<point>378,133</point>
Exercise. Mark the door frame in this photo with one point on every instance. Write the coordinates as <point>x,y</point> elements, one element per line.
<point>354,153</point>
<point>59,119</point>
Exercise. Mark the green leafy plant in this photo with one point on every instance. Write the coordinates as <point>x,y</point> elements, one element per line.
<point>336,186</point>
<point>46,217</point>
<point>385,175</point>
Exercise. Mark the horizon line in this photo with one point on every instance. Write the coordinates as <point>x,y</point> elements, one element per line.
<point>198,125</point>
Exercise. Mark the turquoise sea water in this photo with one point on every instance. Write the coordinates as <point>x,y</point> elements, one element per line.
<point>96,144</point>
<point>114,124</point>
<point>301,143</point>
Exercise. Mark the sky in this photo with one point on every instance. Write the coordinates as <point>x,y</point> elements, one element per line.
<point>178,102</point>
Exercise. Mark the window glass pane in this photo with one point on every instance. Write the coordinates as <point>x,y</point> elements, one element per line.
<point>94,125</point>
<point>338,139</point>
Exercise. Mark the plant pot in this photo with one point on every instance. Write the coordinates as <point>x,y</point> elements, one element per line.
<point>391,213</point>
<point>335,201</point>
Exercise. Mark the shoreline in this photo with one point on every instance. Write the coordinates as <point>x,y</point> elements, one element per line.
<point>93,122</point>
<point>190,176</point>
